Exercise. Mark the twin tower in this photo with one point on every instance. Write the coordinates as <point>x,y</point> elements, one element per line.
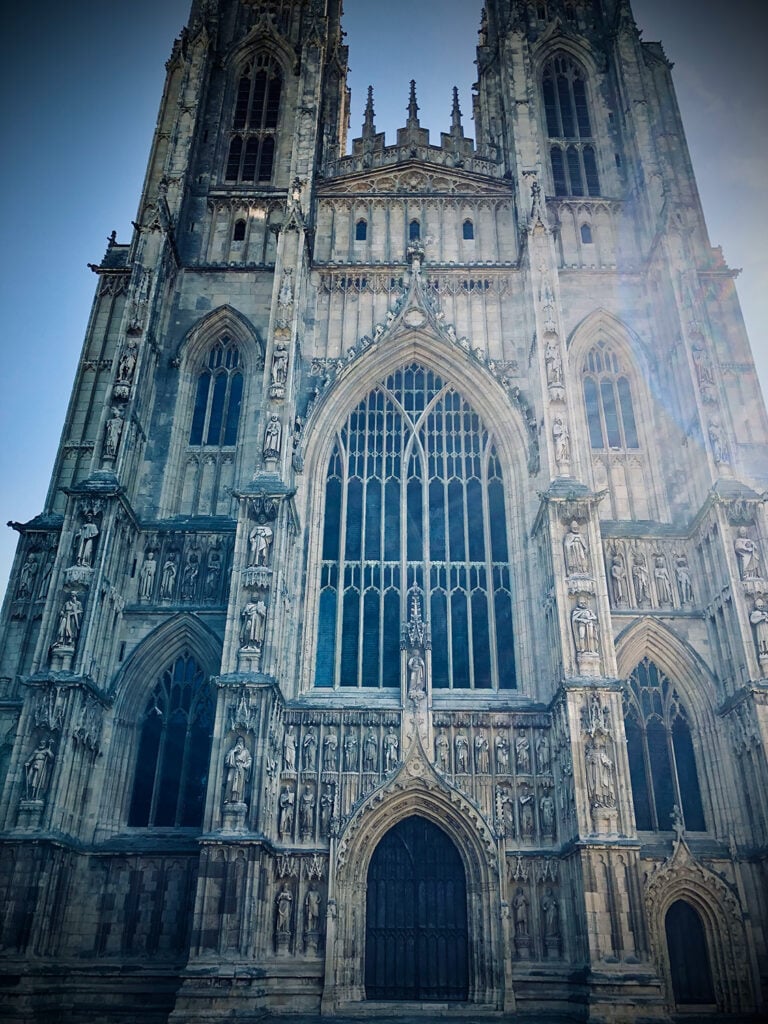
<point>394,638</point>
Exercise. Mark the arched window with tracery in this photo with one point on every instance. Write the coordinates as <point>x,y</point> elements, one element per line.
<point>608,400</point>
<point>174,749</point>
<point>218,397</point>
<point>662,763</point>
<point>414,502</point>
<point>251,152</point>
<point>569,128</point>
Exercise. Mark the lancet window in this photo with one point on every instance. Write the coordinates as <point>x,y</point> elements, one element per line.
<point>608,400</point>
<point>662,763</point>
<point>174,749</point>
<point>218,398</point>
<point>414,505</point>
<point>251,154</point>
<point>569,127</point>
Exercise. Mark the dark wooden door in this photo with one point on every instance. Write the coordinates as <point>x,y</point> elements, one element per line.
<point>416,921</point>
<point>688,956</point>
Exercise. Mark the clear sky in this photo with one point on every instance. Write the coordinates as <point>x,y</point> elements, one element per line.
<point>80,84</point>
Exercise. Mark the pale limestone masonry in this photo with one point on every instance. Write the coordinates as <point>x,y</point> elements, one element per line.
<point>395,634</point>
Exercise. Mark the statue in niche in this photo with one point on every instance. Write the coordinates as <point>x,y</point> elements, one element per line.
<point>523,752</point>
<point>260,541</point>
<point>285,298</point>
<point>718,442</point>
<point>287,802</point>
<point>482,758</point>
<point>350,752</point>
<point>27,576</point>
<point>550,913</point>
<point>705,373</point>
<point>330,745</point>
<point>312,911</point>
<point>600,771</point>
<point>45,580</point>
<point>238,764</point>
<point>562,438</point>
<point>527,825</point>
<point>147,575</point>
<point>759,620</point>
<point>543,755</point>
<point>289,750</point>
<point>416,673</point>
<point>85,541</point>
<point>462,753</point>
<point>502,753</point>
<point>69,622</point>
<point>547,814</point>
<point>576,551</point>
<point>126,365</point>
<point>663,582</point>
<point>113,431</point>
<point>748,555</point>
<point>307,813</point>
<point>684,583</point>
<point>213,575</point>
<point>279,371</point>
<point>586,629</point>
<point>168,578</point>
<point>309,750</point>
<point>38,770</point>
<point>520,912</point>
<point>254,620</point>
<point>189,577</point>
<point>326,810</point>
<point>641,579</point>
<point>273,434</point>
<point>391,744</point>
<point>370,751</point>
<point>442,750</point>
<point>554,363</point>
<point>284,902</point>
<point>618,580</point>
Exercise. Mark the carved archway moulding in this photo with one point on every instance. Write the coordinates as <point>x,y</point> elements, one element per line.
<point>682,877</point>
<point>416,789</point>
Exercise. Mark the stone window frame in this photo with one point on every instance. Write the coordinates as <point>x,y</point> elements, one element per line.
<point>254,125</point>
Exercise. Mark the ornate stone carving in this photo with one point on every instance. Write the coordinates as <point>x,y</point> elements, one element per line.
<point>38,770</point>
<point>253,624</point>
<point>278,371</point>
<point>289,750</point>
<point>330,748</point>
<point>287,810</point>
<point>562,440</point>
<point>641,579</point>
<point>283,916</point>
<point>600,764</point>
<point>238,763</point>
<point>87,732</point>
<point>168,576</point>
<point>586,637</point>
<point>748,555</point>
<point>309,750</point>
<point>759,620</point>
<point>260,544</point>
<point>683,578</point>
<point>70,619</point>
<point>576,551</point>
<point>718,442</point>
<point>461,753</point>
<point>113,432</point>
<point>273,435</point>
<point>662,580</point>
<point>147,575</point>
<point>307,812</point>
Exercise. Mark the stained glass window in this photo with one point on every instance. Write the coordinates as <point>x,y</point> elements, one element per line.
<point>566,110</point>
<point>251,154</point>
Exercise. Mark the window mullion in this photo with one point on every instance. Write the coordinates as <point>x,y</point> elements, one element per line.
<point>649,776</point>
<point>342,561</point>
<point>490,582</point>
<point>183,774</point>
<point>159,766</point>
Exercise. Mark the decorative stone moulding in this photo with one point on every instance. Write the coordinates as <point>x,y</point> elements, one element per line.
<point>257,577</point>
<point>580,584</point>
<point>78,575</point>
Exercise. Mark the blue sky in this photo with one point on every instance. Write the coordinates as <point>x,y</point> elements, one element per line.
<point>80,85</point>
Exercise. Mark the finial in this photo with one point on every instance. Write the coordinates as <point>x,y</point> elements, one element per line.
<point>369,127</point>
<point>413,108</point>
<point>456,126</point>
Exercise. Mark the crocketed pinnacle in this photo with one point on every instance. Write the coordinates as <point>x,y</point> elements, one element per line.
<point>457,129</point>
<point>369,126</point>
<point>413,108</point>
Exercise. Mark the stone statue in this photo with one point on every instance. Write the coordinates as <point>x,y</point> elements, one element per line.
<point>309,750</point>
<point>350,752</point>
<point>85,541</point>
<point>307,814</point>
<point>287,801</point>
<point>586,629</point>
<point>663,582</point>
<point>718,442</point>
<point>550,913</point>
<point>126,365</point>
<point>38,769</point>
<point>502,754</point>
<point>441,750</point>
<point>482,747</point>
<point>618,580</point>
<point>168,578</point>
<point>684,583</point>
<point>576,551</point>
<point>189,577</point>
<point>273,434</point>
<point>285,298</point>
<point>562,439</point>
<point>147,576</point>
<point>289,750</point>
<point>312,911</point>
<point>543,758</point>
<point>520,912</point>
<point>759,620</point>
<point>27,576</point>
<point>213,575</point>
<point>527,825</point>
<point>748,555</point>
<point>279,371</point>
<point>462,753</point>
<point>330,745</point>
<point>112,432</point>
<point>391,744</point>
<point>553,362</point>
<point>69,622</point>
<point>284,902</point>
<point>370,751</point>
<point>254,620</point>
<point>640,579</point>
<point>238,764</point>
<point>705,372</point>
<point>523,752</point>
<point>600,774</point>
<point>547,814</point>
<point>416,671</point>
<point>326,810</point>
<point>260,540</point>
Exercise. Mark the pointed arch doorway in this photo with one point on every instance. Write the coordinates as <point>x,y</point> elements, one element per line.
<point>416,947</point>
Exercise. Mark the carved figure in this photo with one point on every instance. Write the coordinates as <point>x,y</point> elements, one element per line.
<point>618,580</point>
<point>705,372</point>
<point>307,815</point>
<point>553,362</point>
<point>416,670</point>
<point>287,801</point>
<point>663,582</point>
<point>213,575</point>
<point>168,578</point>
<point>38,769</point>
<point>69,622</point>
<point>759,619</point>
<point>189,577</point>
<point>640,579</point>
<point>285,297</point>
<point>330,745</point>
<point>391,744</point>
<point>272,438</point>
<point>543,755</point>
<point>586,631</point>
<point>718,442</point>
<point>350,752</point>
<point>370,751</point>
<point>527,825</point>
<point>289,750</point>
<point>547,814</point>
<point>284,902</point>
<point>312,910</point>
<point>238,764</point>
<point>279,371</point>
<point>523,752</point>
<point>147,575</point>
<point>260,540</point>
<point>600,774</point>
<point>254,619</point>
<point>550,913</point>
<point>112,432</point>
<point>748,555</point>
<point>326,810</point>
<point>27,576</point>
<point>502,754</point>
<point>562,439</point>
<point>85,540</point>
<point>520,912</point>
<point>126,365</point>
<point>576,551</point>
<point>684,583</point>
<point>309,750</point>
<point>441,750</point>
<point>462,753</point>
<point>482,758</point>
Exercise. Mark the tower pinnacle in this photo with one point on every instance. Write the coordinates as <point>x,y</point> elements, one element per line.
<point>413,108</point>
<point>369,125</point>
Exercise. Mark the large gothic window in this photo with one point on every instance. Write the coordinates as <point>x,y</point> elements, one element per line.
<point>571,144</point>
<point>608,400</point>
<point>218,397</point>
<point>251,154</point>
<point>174,749</point>
<point>414,503</point>
<point>662,764</point>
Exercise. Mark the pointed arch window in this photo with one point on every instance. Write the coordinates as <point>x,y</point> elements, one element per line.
<point>608,400</point>
<point>218,398</point>
<point>174,749</point>
<point>251,153</point>
<point>414,503</point>
<point>569,127</point>
<point>662,763</point>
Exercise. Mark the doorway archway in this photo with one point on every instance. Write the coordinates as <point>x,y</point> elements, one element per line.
<point>688,956</point>
<point>416,945</point>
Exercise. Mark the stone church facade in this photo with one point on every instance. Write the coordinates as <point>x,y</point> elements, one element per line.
<point>396,627</point>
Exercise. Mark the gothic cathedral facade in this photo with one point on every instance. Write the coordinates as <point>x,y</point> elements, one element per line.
<point>396,629</point>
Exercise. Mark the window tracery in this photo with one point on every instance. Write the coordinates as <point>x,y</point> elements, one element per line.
<point>662,764</point>
<point>414,502</point>
<point>218,398</point>
<point>251,152</point>
<point>569,128</point>
<point>608,400</point>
